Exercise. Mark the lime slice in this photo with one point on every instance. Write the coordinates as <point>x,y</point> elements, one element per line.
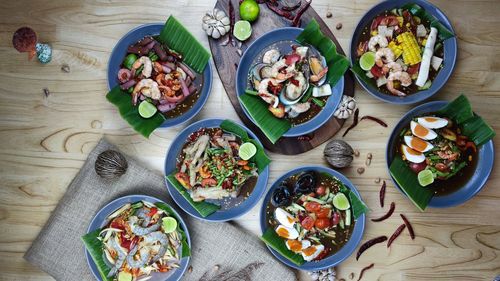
<point>247,151</point>
<point>242,30</point>
<point>147,109</point>
<point>341,202</point>
<point>425,177</point>
<point>169,224</point>
<point>124,276</point>
<point>249,10</point>
<point>367,61</point>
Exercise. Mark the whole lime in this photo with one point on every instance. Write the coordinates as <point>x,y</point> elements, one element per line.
<point>249,10</point>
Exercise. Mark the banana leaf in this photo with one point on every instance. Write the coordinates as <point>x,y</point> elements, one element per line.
<point>337,63</point>
<point>278,244</point>
<point>271,126</point>
<point>179,39</point>
<point>443,32</point>
<point>186,251</point>
<point>260,158</point>
<point>472,126</point>
<point>203,208</point>
<point>130,113</point>
<point>408,182</point>
<point>95,248</point>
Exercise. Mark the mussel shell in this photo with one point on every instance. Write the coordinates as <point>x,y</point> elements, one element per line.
<point>258,72</point>
<point>305,183</point>
<point>281,196</point>
<point>323,64</point>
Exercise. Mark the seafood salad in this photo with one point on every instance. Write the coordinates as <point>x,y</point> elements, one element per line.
<point>311,213</point>
<point>400,53</point>
<point>156,76</point>
<point>293,84</point>
<point>140,239</point>
<point>215,164</point>
<point>434,148</point>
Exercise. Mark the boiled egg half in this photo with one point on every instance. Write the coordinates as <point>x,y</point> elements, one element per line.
<point>312,252</point>
<point>284,218</point>
<point>297,246</point>
<point>287,232</point>
<point>412,155</point>
<point>418,144</point>
<point>432,122</point>
<point>421,131</point>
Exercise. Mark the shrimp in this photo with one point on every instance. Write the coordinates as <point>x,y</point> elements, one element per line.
<point>160,238</point>
<point>401,76</point>
<point>391,67</point>
<point>120,259</point>
<point>286,74</point>
<point>143,228</point>
<point>147,87</point>
<point>264,93</point>
<point>271,56</point>
<point>143,257</point>
<point>384,56</point>
<point>377,40</point>
<point>294,90</point>
<point>146,62</point>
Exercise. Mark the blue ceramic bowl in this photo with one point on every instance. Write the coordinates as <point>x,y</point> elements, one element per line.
<point>450,52</point>
<point>246,62</point>
<point>99,222</point>
<point>220,215</point>
<point>345,251</point>
<point>485,154</point>
<point>120,51</point>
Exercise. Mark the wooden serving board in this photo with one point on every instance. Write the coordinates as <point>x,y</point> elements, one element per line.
<point>227,58</point>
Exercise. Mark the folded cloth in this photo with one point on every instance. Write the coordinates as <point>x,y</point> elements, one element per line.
<point>220,251</point>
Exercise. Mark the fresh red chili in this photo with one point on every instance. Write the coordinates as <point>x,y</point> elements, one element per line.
<point>471,145</point>
<point>408,225</point>
<point>382,194</point>
<point>388,214</point>
<point>354,122</point>
<point>300,12</point>
<point>375,119</point>
<point>365,269</point>
<point>369,244</point>
<point>396,234</point>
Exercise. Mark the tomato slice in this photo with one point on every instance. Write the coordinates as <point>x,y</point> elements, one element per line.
<point>322,223</point>
<point>320,190</point>
<point>323,213</point>
<point>307,223</point>
<point>152,212</point>
<point>313,207</point>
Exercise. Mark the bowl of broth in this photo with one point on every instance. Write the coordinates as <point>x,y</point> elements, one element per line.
<point>311,211</point>
<point>453,168</point>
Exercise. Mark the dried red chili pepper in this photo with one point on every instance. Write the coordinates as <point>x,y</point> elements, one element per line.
<point>396,234</point>
<point>388,215</point>
<point>369,244</point>
<point>382,194</point>
<point>355,122</point>
<point>300,12</point>
<point>365,269</point>
<point>231,21</point>
<point>375,119</point>
<point>279,12</point>
<point>410,228</point>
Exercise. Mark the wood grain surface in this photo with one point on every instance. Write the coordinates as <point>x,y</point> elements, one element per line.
<point>45,139</point>
<point>226,60</point>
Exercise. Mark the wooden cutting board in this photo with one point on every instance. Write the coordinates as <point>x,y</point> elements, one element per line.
<point>227,58</point>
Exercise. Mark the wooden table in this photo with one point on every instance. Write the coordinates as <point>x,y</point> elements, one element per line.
<point>45,139</point>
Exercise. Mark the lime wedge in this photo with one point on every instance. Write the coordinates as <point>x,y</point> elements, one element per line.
<point>147,109</point>
<point>367,61</point>
<point>249,10</point>
<point>169,224</point>
<point>341,202</point>
<point>124,276</point>
<point>425,177</point>
<point>242,30</point>
<point>247,151</point>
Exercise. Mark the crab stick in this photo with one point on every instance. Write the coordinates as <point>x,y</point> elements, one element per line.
<point>425,65</point>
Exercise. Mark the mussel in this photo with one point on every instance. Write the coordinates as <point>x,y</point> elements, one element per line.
<point>281,196</point>
<point>258,72</point>
<point>294,91</point>
<point>317,65</point>
<point>305,183</point>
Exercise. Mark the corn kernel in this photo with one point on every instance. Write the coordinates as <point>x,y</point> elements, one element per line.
<point>374,33</point>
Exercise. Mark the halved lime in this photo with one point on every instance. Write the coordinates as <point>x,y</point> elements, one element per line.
<point>124,276</point>
<point>169,224</point>
<point>249,10</point>
<point>341,202</point>
<point>425,177</point>
<point>242,30</point>
<point>367,61</point>
<point>247,150</point>
<point>147,109</point>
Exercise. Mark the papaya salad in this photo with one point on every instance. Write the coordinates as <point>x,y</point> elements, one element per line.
<point>138,240</point>
<point>157,79</point>
<point>400,52</point>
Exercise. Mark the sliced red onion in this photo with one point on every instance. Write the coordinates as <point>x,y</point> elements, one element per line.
<point>188,81</point>
<point>159,51</point>
<point>166,69</point>
<point>192,89</point>
<point>142,97</point>
<point>187,70</point>
<point>170,58</point>
<point>184,88</point>
<point>144,41</point>
<point>148,47</point>
<point>128,84</point>
<point>124,75</point>
<point>170,65</point>
<point>165,107</point>
<point>135,49</point>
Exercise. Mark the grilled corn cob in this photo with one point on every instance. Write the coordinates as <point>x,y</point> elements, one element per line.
<point>396,49</point>
<point>411,50</point>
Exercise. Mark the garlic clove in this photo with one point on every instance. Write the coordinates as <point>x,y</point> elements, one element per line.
<point>216,34</point>
<point>221,30</point>
<point>225,21</point>
<point>204,26</point>
<point>210,30</point>
<point>227,28</point>
<point>219,15</point>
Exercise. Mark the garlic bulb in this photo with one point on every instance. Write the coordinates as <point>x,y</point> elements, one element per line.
<point>346,107</point>
<point>216,23</point>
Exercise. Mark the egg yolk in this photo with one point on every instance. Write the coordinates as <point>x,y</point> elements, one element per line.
<point>283,232</point>
<point>421,130</point>
<point>418,144</point>
<point>294,245</point>
<point>309,251</point>
<point>430,119</point>
<point>411,151</point>
<point>290,220</point>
